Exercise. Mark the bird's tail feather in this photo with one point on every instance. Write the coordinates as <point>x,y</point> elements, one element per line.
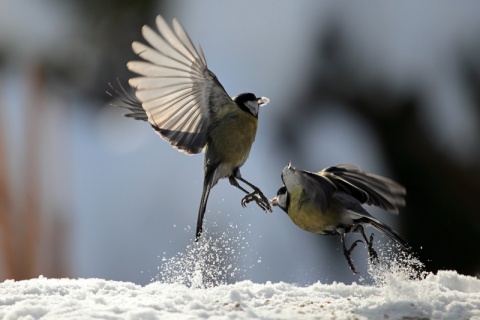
<point>392,234</point>
<point>207,186</point>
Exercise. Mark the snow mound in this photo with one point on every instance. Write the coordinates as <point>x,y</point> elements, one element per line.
<point>446,295</point>
<point>194,284</point>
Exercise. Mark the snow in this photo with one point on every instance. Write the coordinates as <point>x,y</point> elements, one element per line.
<point>194,285</point>
<point>446,295</point>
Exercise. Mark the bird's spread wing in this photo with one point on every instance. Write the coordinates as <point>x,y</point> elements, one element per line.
<point>367,188</point>
<point>319,189</point>
<point>129,101</point>
<point>175,87</point>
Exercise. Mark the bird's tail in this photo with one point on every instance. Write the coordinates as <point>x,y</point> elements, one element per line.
<point>392,234</point>
<point>207,186</point>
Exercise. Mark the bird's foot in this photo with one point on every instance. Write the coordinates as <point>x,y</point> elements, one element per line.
<point>347,254</point>
<point>259,198</point>
<point>371,252</point>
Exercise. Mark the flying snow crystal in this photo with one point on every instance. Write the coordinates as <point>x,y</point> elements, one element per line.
<point>222,258</point>
<point>395,266</point>
<point>210,262</point>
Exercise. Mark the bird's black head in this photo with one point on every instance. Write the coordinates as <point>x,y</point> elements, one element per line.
<point>281,199</point>
<point>250,102</point>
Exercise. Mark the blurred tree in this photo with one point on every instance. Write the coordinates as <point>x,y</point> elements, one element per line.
<point>98,46</point>
<point>109,29</point>
<point>20,222</point>
<point>5,208</point>
<point>33,241</point>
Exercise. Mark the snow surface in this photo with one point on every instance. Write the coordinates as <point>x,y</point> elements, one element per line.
<point>446,295</point>
<point>193,284</point>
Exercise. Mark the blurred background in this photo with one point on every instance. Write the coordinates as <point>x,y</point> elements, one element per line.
<point>393,87</point>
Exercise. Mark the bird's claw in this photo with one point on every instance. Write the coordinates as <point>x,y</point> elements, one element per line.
<point>371,252</point>
<point>347,253</point>
<point>259,198</point>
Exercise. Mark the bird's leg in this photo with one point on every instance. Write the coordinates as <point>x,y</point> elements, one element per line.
<point>348,252</point>
<point>235,183</point>
<point>249,197</point>
<point>371,252</point>
<point>257,195</point>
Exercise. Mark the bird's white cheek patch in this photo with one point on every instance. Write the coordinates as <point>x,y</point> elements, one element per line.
<point>253,107</point>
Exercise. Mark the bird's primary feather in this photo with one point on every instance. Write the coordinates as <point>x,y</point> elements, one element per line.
<point>367,188</point>
<point>175,87</point>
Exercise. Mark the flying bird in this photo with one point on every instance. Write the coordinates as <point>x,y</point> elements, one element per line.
<point>188,107</point>
<point>329,202</point>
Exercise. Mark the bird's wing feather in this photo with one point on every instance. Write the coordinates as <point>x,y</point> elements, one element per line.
<point>129,101</point>
<point>319,189</point>
<point>367,188</point>
<point>175,87</point>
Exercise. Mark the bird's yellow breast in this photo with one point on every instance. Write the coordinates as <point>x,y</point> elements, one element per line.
<point>233,134</point>
<point>308,216</point>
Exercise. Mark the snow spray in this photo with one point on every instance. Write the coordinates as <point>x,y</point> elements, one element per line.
<point>212,261</point>
<point>395,265</point>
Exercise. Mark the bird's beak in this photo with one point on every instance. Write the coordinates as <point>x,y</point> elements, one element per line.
<point>274,201</point>
<point>263,101</point>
